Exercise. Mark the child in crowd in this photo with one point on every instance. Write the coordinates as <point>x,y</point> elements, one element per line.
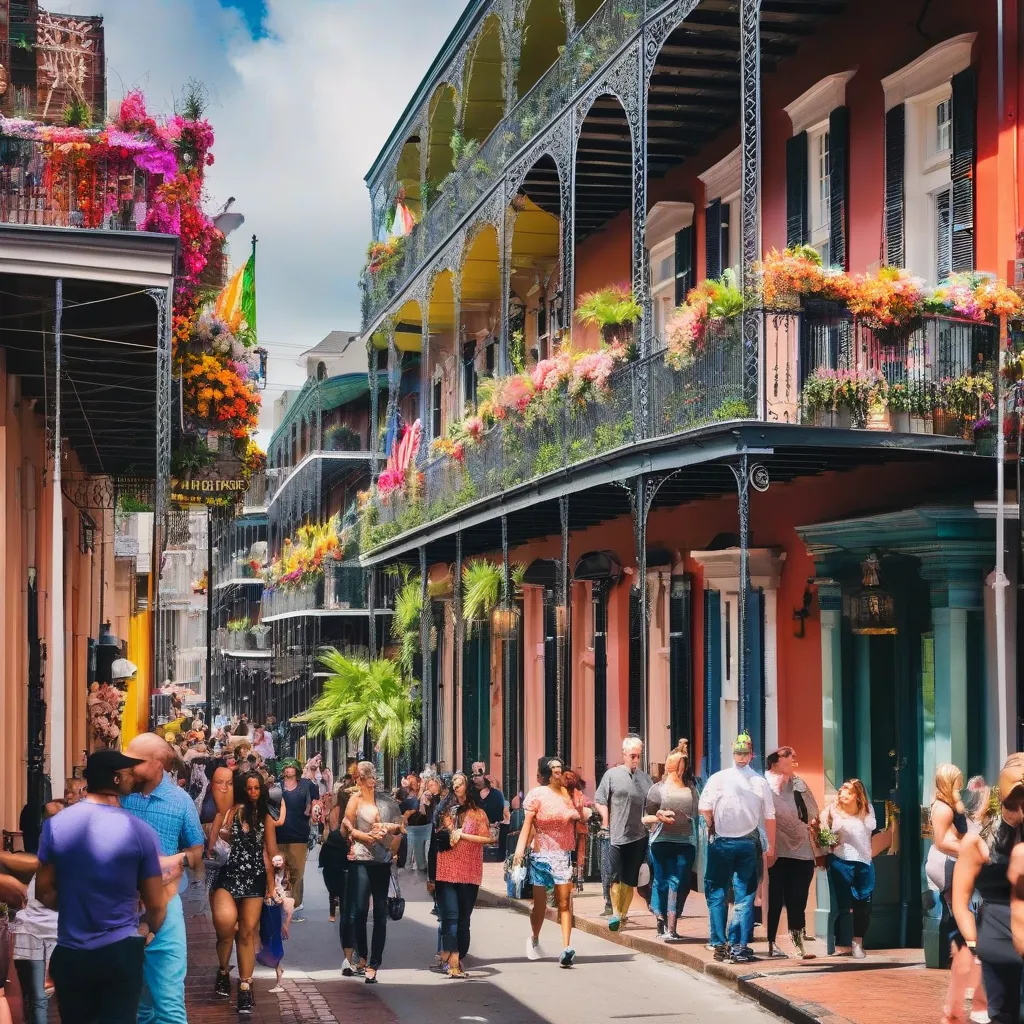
<point>274,924</point>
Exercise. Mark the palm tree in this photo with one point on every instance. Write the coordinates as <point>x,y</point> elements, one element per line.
<point>361,697</point>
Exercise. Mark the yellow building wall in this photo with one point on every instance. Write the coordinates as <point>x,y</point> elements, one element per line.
<point>140,651</point>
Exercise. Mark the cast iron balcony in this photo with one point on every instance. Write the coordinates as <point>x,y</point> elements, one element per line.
<point>344,587</point>
<point>934,378</point>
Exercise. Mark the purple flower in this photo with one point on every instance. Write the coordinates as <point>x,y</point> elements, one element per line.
<point>154,160</point>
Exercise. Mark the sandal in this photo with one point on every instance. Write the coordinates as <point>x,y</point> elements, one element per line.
<point>459,975</point>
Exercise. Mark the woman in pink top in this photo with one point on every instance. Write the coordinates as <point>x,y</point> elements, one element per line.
<point>551,815</point>
<point>460,871</point>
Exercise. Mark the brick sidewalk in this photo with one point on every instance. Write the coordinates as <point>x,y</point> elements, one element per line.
<point>820,991</point>
<point>303,1000</point>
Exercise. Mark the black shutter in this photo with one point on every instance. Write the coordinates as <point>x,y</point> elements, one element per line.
<point>600,608</point>
<point>713,240</point>
<point>755,696</point>
<point>680,661</point>
<point>797,228</point>
<point>684,263</point>
<point>838,183</point>
<point>895,156</point>
<point>712,682</point>
<point>961,168</point>
<point>636,664</point>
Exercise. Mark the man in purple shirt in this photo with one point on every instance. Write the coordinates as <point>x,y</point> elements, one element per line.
<point>95,861</point>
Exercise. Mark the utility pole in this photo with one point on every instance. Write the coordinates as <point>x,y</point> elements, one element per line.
<point>209,620</point>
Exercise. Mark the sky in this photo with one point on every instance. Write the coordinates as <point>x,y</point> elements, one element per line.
<point>303,94</point>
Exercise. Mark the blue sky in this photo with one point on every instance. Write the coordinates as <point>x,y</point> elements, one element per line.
<point>303,93</point>
<point>253,11</point>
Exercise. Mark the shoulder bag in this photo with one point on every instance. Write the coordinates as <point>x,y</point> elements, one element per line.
<point>396,902</point>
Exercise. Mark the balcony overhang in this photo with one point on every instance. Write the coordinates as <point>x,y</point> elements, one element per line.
<point>332,464</point>
<point>115,286</point>
<point>139,258</point>
<point>699,462</point>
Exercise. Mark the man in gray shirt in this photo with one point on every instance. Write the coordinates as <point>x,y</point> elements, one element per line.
<point>620,800</point>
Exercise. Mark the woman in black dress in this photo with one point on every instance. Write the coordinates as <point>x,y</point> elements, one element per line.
<point>246,879</point>
<point>982,866</point>
<point>334,856</point>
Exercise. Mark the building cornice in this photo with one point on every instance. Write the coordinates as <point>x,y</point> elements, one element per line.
<point>722,179</point>
<point>814,105</point>
<point>930,70</point>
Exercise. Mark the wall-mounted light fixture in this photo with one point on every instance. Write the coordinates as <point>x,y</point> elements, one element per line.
<point>803,613</point>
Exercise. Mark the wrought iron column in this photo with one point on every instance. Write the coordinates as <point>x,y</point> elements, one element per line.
<point>163,299</point>
<point>506,231</point>
<point>426,392</point>
<point>371,359</point>
<point>567,212</point>
<point>426,688</point>
<point>563,693</point>
<point>742,475</point>
<point>641,280</point>
<point>507,720</point>
<point>394,378</point>
<point>371,602</point>
<point>457,653</point>
<point>750,194</point>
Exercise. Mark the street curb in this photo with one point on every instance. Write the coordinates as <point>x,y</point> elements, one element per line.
<point>745,985</point>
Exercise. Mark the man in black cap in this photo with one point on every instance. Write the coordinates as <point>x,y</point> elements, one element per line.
<point>95,861</point>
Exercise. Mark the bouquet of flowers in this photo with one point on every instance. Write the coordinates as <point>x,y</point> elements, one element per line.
<point>825,838</point>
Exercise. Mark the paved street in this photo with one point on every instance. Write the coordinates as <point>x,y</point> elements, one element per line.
<point>609,983</point>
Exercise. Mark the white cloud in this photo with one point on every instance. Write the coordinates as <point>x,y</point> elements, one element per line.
<point>299,117</point>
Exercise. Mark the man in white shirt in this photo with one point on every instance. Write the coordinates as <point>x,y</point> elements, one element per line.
<point>736,803</point>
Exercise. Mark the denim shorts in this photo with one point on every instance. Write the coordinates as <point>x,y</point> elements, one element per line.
<point>550,868</point>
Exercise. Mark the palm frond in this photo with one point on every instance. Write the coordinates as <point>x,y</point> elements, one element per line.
<point>481,582</point>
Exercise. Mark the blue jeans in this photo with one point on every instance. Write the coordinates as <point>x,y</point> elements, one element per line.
<point>731,862</point>
<point>163,972</point>
<point>455,902</point>
<point>671,864</point>
<point>32,978</point>
<point>853,884</point>
<point>418,836</point>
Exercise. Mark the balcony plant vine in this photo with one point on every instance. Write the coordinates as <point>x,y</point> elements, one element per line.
<point>304,557</point>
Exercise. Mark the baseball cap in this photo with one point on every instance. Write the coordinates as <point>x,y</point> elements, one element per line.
<point>102,765</point>
<point>742,744</point>
<point>1012,776</point>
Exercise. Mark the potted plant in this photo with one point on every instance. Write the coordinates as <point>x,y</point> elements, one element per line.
<point>858,391</point>
<point>795,275</point>
<point>898,400</point>
<point>819,397</point>
<point>964,400</point>
<point>613,310</point>
<point>261,636</point>
<point>702,319</point>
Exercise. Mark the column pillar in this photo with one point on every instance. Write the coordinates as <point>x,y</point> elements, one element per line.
<point>426,686</point>
<point>371,360</point>
<point>830,603</point>
<point>457,655</point>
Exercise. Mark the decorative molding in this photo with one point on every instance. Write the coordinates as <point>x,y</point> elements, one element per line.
<point>665,219</point>
<point>722,179</point>
<point>931,69</point>
<point>722,568</point>
<point>819,101</point>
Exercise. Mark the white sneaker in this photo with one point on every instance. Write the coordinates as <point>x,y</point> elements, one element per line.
<point>858,951</point>
<point>533,950</point>
<point>980,1017</point>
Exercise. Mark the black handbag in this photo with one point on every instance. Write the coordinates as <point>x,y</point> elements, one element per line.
<point>396,902</point>
<point>441,840</point>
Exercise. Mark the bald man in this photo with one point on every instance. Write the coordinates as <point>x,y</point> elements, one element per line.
<point>159,802</point>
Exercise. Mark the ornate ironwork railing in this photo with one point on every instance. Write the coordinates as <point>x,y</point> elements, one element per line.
<point>256,495</point>
<point>101,195</point>
<point>935,377</point>
<point>589,50</point>
<point>645,399</point>
<point>343,587</point>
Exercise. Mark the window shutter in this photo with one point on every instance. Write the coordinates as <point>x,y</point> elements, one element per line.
<point>635,693</point>
<point>797,228</point>
<point>943,235</point>
<point>713,240</point>
<point>961,168</point>
<point>684,263</point>
<point>680,660</point>
<point>838,178</point>
<point>895,155</point>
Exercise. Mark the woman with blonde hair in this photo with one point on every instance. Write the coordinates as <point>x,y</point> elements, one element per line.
<point>851,818</point>
<point>950,825</point>
<point>981,867</point>
<point>671,812</point>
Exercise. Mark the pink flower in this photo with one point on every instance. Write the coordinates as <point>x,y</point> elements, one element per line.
<point>475,427</point>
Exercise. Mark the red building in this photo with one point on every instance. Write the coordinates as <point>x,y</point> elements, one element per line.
<point>562,149</point>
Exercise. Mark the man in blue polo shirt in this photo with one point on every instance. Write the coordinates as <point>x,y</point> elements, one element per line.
<point>95,862</point>
<point>172,814</point>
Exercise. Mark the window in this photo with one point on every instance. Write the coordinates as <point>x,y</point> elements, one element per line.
<point>944,125</point>
<point>469,377</point>
<point>727,249</point>
<point>820,192</point>
<point>663,283</point>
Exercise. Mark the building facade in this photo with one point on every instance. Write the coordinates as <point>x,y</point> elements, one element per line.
<point>695,546</point>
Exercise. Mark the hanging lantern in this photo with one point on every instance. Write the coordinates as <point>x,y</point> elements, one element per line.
<point>504,622</point>
<point>872,609</point>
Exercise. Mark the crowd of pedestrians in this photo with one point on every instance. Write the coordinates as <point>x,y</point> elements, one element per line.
<point>218,821</point>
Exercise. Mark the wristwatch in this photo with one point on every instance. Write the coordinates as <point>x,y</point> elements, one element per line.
<point>184,861</point>
<point>971,943</point>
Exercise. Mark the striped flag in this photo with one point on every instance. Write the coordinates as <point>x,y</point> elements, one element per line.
<point>236,304</point>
